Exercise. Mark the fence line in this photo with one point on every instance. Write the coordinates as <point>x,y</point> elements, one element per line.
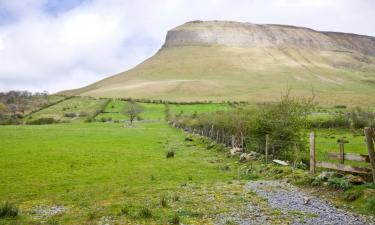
<point>342,156</point>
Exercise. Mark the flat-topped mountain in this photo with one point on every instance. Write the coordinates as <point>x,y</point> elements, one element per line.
<point>223,60</point>
<point>199,33</point>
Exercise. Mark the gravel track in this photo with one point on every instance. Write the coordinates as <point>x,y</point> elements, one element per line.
<point>289,201</point>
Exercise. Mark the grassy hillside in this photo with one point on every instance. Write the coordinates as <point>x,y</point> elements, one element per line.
<point>81,108</point>
<point>255,74</point>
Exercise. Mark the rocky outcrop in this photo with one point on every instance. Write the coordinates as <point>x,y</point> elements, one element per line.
<point>229,33</point>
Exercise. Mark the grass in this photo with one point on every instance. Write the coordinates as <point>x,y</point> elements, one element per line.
<point>95,167</point>
<point>76,105</point>
<point>8,209</point>
<point>327,141</point>
<point>100,170</point>
<point>198,108</point>
<point>151,112</point>
<point>255,74</point>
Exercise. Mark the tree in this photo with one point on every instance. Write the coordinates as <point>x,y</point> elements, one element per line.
<point>3,109</point>
<point>13,108</point>
<point>132,109</point>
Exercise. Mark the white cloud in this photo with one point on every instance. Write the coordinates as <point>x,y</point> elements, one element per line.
<point>48,51</point>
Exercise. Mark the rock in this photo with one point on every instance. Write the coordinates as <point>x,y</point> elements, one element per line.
<point>325,175</point>
<point>306,200</point>
<point>254,154</point>
<point>246,157</point>
<point>280,162</point>
<point>235,151</point>
<point>355,179</point>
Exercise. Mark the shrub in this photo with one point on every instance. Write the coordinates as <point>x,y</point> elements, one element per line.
<point>338,120</point>
<point>175,219</point>
<point>83,114</point>
<point>170,154</point>
<point>317,181</point>
<point>145,212</point>
<point>361,118</point>
<point>43,120</point>
<point>70,114</point>
<point>352,195</point>
<point>8,210</point>
<point>339,183</point>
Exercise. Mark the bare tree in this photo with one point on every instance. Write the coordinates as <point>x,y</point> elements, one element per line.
<point>13,108</point>
<point>132,109</point>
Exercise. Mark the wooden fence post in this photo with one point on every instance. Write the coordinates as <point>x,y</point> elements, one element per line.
<point>266,150</point>
<point>233,142</point>
<point>312,153</point>
<point>242,141</point>
<point>342,154</point>
<point>369,133</point>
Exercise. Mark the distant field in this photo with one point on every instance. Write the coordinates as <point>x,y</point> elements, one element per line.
<point>152,111</point>
<point>81,107</point>
<point>198,108</point>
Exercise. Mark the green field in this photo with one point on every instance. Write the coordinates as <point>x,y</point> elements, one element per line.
<point>95,172</point>
<point>98,168</point>
<point>327,141</point>
<point>156,112</point>
<point>81,107</point>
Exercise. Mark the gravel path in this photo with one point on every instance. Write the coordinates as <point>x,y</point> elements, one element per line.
<point>289,202</point>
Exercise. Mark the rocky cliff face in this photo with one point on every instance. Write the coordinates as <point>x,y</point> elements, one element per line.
<point>228,33</point>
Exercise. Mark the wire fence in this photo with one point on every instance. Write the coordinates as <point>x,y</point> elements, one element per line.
<point>281,148</point>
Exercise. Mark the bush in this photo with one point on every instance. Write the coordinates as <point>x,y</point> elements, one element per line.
<point>352,195</point>
<point>361,118</point>
<point>337,121</point>
<point>145,213</point>
<point>41,121</point>
<point>83,114</point>
<point>170,154</point>
<point>339,183</point>
<point>317,181</point>
<point>70,114</point>
<point>8,210</point>
<point>285,123</point>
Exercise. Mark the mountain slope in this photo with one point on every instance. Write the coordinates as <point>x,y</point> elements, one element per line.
<point>219,60</point>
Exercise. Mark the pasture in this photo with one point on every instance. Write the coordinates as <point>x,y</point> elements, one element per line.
<point>93,170</point>
<point>99,172</point>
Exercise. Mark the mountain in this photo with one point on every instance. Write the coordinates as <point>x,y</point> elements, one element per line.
<point>223,60</point>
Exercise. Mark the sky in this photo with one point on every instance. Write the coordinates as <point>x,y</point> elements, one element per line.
<point>54,45</point>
